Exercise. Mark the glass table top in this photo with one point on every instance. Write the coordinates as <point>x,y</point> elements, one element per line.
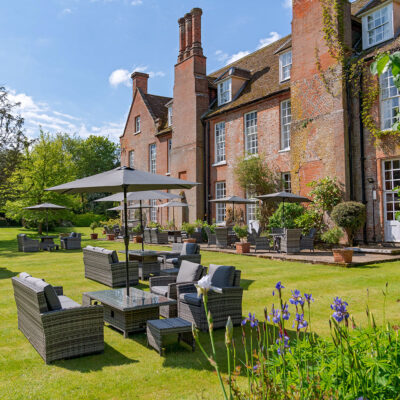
<point>117,298</point>
<point>140,252</point>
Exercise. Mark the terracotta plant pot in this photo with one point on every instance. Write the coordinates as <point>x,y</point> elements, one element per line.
<point>190,240</point>
<point>137,239</point>
<point>110,236</point>
<point>94,236</point>
<point>104,232</point>
<point>242,247</point>
<point>343,256</point>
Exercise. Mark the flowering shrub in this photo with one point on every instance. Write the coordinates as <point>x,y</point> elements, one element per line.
<point>355,363</point>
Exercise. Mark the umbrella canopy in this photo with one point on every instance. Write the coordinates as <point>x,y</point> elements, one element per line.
<point>233,200</point>
<point>146,195</point>
<point>173,204</point>
<point>129,180</point>
<point>46,207</point>
<point>121,208</point>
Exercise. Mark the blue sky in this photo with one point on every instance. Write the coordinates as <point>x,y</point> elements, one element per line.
<point>68,61</point>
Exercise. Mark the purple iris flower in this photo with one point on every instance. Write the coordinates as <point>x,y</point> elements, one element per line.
<point>300,322</point>
<point>278,287</point>
<point>283,343</point>
<point>340,309</point>
<point>309,297</point>
<point>251,319</point>
<point>276,315</point>
<point>285,312</point>
<point>296,298</point>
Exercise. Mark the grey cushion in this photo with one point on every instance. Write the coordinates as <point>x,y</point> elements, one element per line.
<point>52,300</point>
<point>221,275</point>
<point>90,248</point>
<point>191,298</point>
<point>66,302</point>
<point>160,290</point>
<point>173,261</point>
<point>188,272</point>
<point>24,275</point>
<point>114,256</point>
<point>73,235</point>
<point>189,248</point>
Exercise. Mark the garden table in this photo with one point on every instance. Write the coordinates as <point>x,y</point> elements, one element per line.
<point>148,262</point>
<point>47,243</point>
<point>276,237</point>
<point>127,313</point>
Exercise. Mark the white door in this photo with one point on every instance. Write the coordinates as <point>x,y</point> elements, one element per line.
<point>391,172</point>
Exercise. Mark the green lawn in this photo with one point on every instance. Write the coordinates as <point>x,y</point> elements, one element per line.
<point>128,369</point>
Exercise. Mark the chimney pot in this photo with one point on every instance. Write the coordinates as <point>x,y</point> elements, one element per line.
<point>182,38</point>
<point>139,81</point>
<point>196,31</point>
<point>188,29</point>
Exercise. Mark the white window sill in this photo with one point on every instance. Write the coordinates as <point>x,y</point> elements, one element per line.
<point>167,174</point>
<point>219,164</point>
<point>284,150</point>
<point>137,133</point>
<point>285,80</point>
<point>250,156</point>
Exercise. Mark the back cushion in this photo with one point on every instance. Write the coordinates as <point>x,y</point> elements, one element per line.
<point>52,300</point>
<point>24,275</point>
<point>189,248</point>
<point>189,272</point>
<point>73,234</point>
<point>221,275</point>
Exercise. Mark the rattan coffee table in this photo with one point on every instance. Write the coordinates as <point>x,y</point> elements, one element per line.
<point>127,314</point>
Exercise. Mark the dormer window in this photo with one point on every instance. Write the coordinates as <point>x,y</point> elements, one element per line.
<point>377,26</point>
<point>225,92</point>
<point>137,124</point>
<point>285,66</point>
<point>170,116</point>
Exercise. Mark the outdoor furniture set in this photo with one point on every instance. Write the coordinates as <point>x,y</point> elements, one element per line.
<point>171,262</point>
<point>26,244</point>
<point>71,242</point>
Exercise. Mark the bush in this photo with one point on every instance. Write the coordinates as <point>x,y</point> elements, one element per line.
<point>188,228</point>
<point>350,216</point>
<point>241,231</point>
<point>85,219</point>
<point>153,224</point>
<point>94,225</point>
<point>332,236</point>
<point>292,212</point>
<point>310,219</point>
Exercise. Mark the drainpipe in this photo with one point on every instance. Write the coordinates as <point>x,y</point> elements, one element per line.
<point>206,128</point>
<point>350,132</point>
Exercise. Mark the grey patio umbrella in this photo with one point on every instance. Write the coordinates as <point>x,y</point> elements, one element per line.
<point>137,196</point>
<point>233,200</point>
<point>125,179</point>
<point>46,207</point>
<point>284,197</point>
<point>173,204</point>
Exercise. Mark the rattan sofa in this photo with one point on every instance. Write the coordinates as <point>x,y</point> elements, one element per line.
<point>26,244</point>
<point>221,305</point>
<point>102,265</point>
<point>166,285</point>
<point>71,242</point>
<point>290,241</point>
<point>56,326</point>
<point>158,237</point>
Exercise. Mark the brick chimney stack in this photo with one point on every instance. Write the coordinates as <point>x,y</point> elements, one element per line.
<point>139,81</point>
<point>190,34</point>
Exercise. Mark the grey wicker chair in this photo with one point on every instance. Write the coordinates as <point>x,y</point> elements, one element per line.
<point>158,237</point>
<point>56,326</point>
<point>222,305</point>
<point>189,252</point>
<point>147,235</point>
<point>290,241</point>
<point>102,265</point>
<point>211,237</point>
<point>26,244</point>
<point>71,242</point>
<point>307,241</point>
<point>166,285</point>
<point>174,253</point>
<point>262,243</point>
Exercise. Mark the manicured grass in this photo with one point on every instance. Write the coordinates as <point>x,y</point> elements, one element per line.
<point>130,370</point>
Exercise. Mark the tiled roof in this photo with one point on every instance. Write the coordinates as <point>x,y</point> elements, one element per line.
<point>157,107</point>
<point>263,65</point>
<point>360,6</point>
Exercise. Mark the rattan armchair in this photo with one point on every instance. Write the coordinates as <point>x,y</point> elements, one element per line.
<point>189,252</point>
<point>26,244</point>
<point>71,242</point>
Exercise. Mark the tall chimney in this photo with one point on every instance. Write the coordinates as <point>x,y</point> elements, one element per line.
<point>139,81</point>
<point>188,30</point>
<point>182,39</point>
<point>196,31</point>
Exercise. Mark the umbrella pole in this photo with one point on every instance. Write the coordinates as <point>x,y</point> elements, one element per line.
<point>233,211</point>
<point>126,241</point>
<point>173,216</point>
<point>141,223</point>
<point>47,221</point>
<point>283,212</point>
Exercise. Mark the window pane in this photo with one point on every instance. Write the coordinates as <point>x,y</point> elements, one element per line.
<point>220,208</point>
<point>220,142</point>
<point>286,120</point>
<point>251,139</point>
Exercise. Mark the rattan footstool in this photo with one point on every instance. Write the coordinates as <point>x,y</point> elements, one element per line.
<point>158,328</point>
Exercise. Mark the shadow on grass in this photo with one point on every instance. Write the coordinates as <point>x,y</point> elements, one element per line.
<point>95,362</point>
<point>245,283</point>
<point>6,274</point>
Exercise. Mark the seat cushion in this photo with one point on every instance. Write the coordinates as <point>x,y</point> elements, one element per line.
<point>189,248</point>
<point>221,275</point>
<point>52,300</point>
<point>24,275</point>
<point>174,261</point>
<point>188,272</point>
<point>160,290</point>
<point>73,235</point>
<point>191,298</point>
<point>66,302</point>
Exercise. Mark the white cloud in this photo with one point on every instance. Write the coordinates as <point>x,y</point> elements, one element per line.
<point>287,3</point>
<point>66,11</point>
<point>273,37</point>
<point>123,76</point>
<point>237,56</point>
<point>137,2</point>
<point>221,56</point>
<point>40,114</point>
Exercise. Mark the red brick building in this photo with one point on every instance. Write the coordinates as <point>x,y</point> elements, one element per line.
<point>274,102</point>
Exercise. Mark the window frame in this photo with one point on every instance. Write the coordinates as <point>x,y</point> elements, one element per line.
<point>383,101</point>
<point>170,116</point>
<point>251,208</point>
<point>131,164</point>
<point>246,149</point>
<point>365,30</point>
<point>169,149</point>
<point>153,210</point>
<point>220,208</point>
<point>281,66</point>
<point>137,124</point>
<point>283,125</point>
<point>151,158</point>
<point>216,148</point>
<point>287,182</point>
<point>220,84</point>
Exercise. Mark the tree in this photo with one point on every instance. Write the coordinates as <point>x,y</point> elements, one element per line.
<point>256,178</point>
<point>43,165</point>
<point>12,142</point>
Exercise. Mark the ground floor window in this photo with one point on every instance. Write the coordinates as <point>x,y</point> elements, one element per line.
<point>153,210</point>
<point>391,180</point>
<point>286,182</point>
<point>251,209</point>
<point>220,192</point>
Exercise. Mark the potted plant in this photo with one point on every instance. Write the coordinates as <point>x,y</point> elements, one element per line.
<point>350,216</point>
<point>93,226</point>
<point>189,229</point>
<point>243,246</point>
<point>137,234</point>
<point>110,235</point>
<point>332,236</point>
